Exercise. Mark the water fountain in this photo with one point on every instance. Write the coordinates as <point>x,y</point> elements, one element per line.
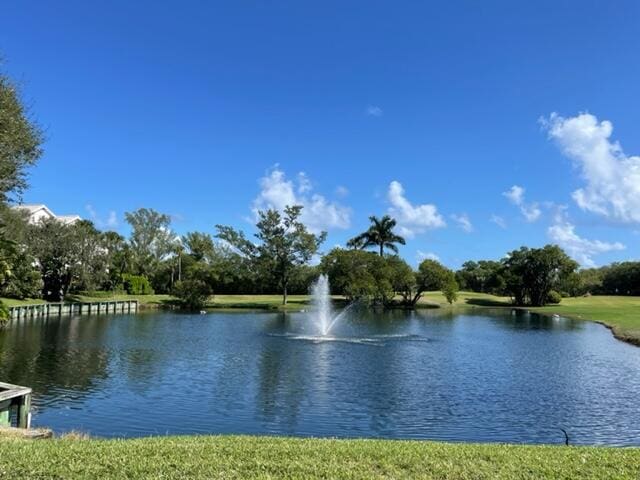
<point>321,299</point>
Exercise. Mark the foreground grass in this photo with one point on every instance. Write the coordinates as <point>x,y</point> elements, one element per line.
<point>270,457</point>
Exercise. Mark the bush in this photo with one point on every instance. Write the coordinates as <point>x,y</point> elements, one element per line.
<point>193,294</point>
<point>136,285</point>
<point>24,281</point>
<point>450,289</point>
<point>554,297</point>
<point>4,314</point>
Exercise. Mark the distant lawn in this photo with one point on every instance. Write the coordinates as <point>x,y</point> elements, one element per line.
<point>239,457</point>
<point>144,300</point>
<point>294,302</point>
<point>622,314</point>
<point>11,302</point>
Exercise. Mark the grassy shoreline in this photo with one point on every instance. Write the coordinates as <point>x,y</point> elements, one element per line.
<point>620,314</point>
<point>281,457</point>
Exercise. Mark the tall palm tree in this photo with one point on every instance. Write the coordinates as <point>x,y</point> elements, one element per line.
<point>379,234</point>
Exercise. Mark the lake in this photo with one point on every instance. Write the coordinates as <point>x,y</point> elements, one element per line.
<point>481,376</point>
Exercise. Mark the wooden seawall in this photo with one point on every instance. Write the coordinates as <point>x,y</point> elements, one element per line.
<point>80,308</point>
<point>17,399</point>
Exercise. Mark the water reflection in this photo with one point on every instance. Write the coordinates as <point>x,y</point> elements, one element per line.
<point>479,376</point>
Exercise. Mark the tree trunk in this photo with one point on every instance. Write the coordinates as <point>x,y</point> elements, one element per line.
<point>381,250</point>
<point>284,294</point>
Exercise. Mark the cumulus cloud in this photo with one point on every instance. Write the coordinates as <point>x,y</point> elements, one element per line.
<point>412,219</point>
<point>581,249</point>
<point>426,256</point>
<point>498,220</point>
<point>374,111</point>
<point>110,222</point>
<point>530,211</point>
<point>277,192</point>
<point>612,178</point>
<point>463,222</point>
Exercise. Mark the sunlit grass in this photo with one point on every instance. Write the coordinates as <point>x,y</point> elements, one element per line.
<point>622,314</point>
<point>237,457</point>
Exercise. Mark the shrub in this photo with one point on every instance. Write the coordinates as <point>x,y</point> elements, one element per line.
<point>450,289</point>
<point>4,314</point>
<point>193,293</point>
<point>136,285</point>
<point>23,281</point>
<point>554,297</point>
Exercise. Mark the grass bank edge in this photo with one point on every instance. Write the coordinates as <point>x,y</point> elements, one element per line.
<point>619,313</point>
<point>286,457</point>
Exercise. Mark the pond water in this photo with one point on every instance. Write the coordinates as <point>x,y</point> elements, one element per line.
<point>479,376</point>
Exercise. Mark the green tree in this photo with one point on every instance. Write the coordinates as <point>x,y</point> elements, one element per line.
<point>284,244</point>
<point>23,279</point>
<point>532,273</point>
<point>358,275</point>
<point>194,291</point>
<point>151,239</point>
<point>432,275</point>
<point>200,246</point>
<point>450,289</point>
<point>20,142</point>
<point>484,276</point>
<point>403,279</point>
<point>53,245</point>
<point>622,279</point>
<point>91,270</point>
<point>119,258</point>
<point>380,234</point>
<point>7,249</point>
<point>19,278</point>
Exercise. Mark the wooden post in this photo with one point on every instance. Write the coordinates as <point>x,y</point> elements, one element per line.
<point>24,411</point>
<point>4,413</point>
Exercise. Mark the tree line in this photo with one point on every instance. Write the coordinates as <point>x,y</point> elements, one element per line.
<point>52,260</point>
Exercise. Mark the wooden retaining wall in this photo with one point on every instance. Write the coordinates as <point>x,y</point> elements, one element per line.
<point>17,399</point>
<point>84,308</point>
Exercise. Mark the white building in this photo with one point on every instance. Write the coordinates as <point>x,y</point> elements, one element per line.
<point>38,212</point>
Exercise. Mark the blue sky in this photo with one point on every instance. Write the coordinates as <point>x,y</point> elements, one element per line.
<point>433,111</point>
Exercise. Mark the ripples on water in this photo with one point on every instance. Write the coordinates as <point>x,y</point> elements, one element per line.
<point>424,374</point>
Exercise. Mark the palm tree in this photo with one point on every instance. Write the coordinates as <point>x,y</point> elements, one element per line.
<point>379,234</point>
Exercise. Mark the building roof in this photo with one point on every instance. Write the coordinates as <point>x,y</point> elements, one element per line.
<point>33,208</point>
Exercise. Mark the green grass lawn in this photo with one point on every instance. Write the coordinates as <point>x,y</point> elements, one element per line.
<point>622,314</point>
<point>231,457</point>
<point>294,302</point>
<point>11,302</point>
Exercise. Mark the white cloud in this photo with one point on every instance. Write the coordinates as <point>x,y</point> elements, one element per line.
<point>304,184</point>
<point>412,219</point>
<point>498,220</point>
<point>530,211</point>
<point>277,192</point>
<point>420,255</point>
<point>342,191</point>
<point>110,222</point>
<point>374,111</point>
<point>463,222</point>
<point>612,178</point>
<point>515,194</point>
<point>581,249</point>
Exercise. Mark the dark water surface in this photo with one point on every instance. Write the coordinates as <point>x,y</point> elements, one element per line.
<point>481,376</point>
